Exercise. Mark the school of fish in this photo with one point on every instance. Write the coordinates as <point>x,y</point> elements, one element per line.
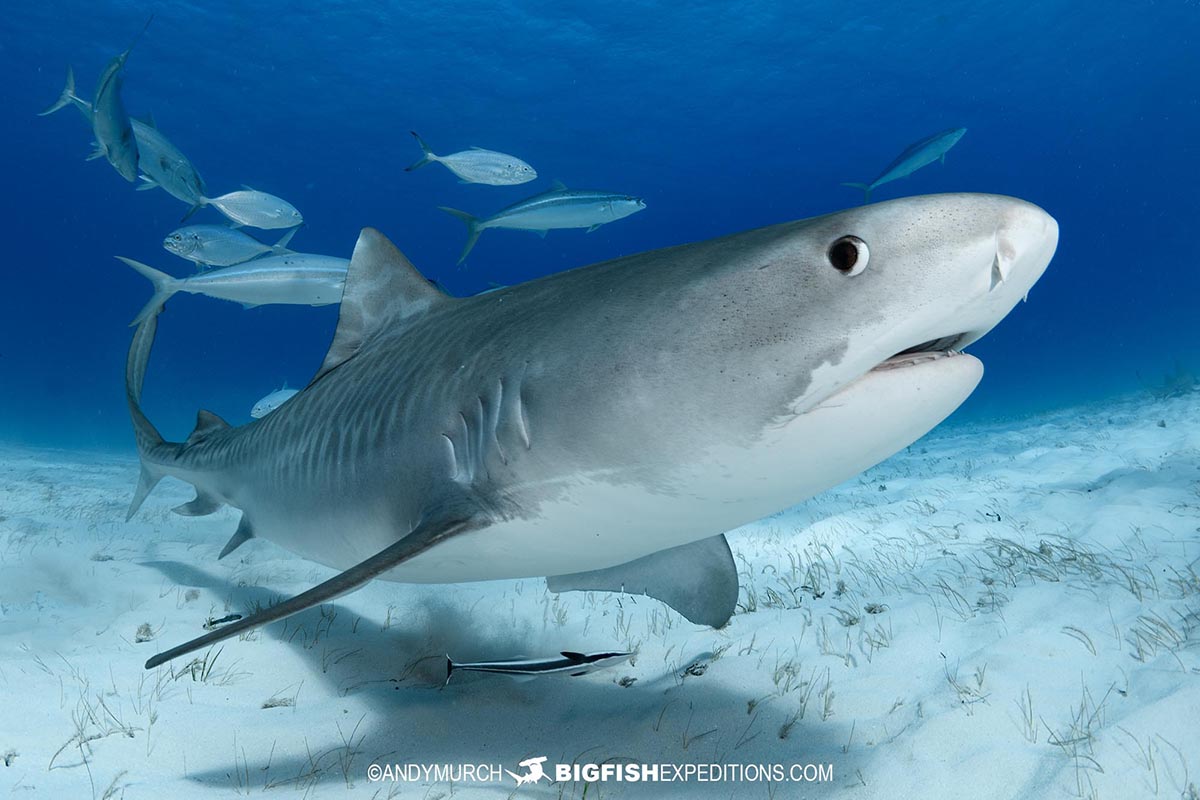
<point>233,265</point>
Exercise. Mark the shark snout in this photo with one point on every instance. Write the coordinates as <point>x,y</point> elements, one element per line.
<point>1026,239</point>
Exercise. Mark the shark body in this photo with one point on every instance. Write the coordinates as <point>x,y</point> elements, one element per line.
<point>605,426</point>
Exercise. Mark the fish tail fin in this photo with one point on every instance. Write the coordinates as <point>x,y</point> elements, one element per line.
<point>865,187</point>
<point>281,247</point>
<point>164,287</point>
<point>200,203</point>
<point>474,228</point>
<point>145,434</point>
<point>427,156</point>
<point>65,98</point>
<point>450,665</point>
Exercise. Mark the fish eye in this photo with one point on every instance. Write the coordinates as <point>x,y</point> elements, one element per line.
<point>849,255</point>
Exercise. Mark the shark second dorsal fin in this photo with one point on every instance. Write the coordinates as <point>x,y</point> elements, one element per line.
<point>207,423</point>
<point>383,289</point>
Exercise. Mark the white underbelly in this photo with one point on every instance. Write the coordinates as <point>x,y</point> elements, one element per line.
<point>599,522</point>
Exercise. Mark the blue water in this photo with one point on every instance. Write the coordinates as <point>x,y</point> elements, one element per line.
<point>722,116</point>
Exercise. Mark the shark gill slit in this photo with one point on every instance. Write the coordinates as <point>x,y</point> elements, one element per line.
<point>452,454</point>
<point>522,418</point>
<point>468,461</point>
<point>481,417</point>
<point>494,422</point>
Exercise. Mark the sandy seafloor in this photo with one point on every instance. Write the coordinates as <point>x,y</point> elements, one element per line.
<point>1003,610</point>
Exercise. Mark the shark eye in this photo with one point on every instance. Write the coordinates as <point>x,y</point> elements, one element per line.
<point>849,255</point>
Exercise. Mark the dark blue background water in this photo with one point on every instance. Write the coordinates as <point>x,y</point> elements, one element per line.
<point>723,116</point>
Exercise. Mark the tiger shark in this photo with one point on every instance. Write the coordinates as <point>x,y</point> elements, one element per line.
<point>606,426</point>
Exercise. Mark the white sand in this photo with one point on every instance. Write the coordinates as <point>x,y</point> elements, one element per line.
<point>1038,635</point>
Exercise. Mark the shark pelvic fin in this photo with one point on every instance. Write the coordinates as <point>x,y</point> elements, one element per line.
<point>699,580</point>
<point>382,289</point>
<point>203,505</point>
<point>425,536</point>
<point>243,534</point>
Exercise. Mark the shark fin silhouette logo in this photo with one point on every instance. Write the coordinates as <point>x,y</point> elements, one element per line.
<point>533,771</point>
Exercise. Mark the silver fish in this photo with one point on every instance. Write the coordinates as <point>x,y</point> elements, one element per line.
<point>256,209</point>
<point>478,165</point>
<point>299,279</point>
<point>164,166</point>
<point>566,663</point>
<point>915,156</point>
<point>221,246</point>
<point>557,208</point>
<point>110,122</point>
<point>161,163</point>
<point>272,401</point>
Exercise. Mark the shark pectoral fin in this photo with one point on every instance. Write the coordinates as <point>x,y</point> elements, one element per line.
<point>243,534</point>
<point>382,289</point>
<point>202,506</point>
<point>99,152</point>
<point>699,580</point>
<point>425,536</point>
<point>147,184</point>
<point>594,227</point>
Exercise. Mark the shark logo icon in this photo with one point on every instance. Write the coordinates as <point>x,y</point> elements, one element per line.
<point>534,771</point>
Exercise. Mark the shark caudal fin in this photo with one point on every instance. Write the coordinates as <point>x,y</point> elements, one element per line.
<point>144,432</point>
<point>474,228</point>
<point>865,187</point>
<point>164,287</point>
<point>65,98</point>
<point>427,156</point>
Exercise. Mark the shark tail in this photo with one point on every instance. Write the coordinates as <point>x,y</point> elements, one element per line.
<point>865,187</point>
<point>427,156</point>
<point>65,98</point>
<point>474,228</point>
<point>145,434</point>
<point>280,248</point>
<point>156,454</point>
<point>164,287</point>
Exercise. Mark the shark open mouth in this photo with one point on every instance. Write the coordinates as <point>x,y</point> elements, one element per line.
<point>926,351</point>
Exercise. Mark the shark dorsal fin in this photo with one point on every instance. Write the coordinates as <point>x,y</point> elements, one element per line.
<point>206,423</point>
<point>383,289</point>
<point>571,655</point>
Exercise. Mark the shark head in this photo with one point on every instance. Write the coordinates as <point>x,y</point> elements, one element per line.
<point>737,377</point>
<point>796,312</point>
